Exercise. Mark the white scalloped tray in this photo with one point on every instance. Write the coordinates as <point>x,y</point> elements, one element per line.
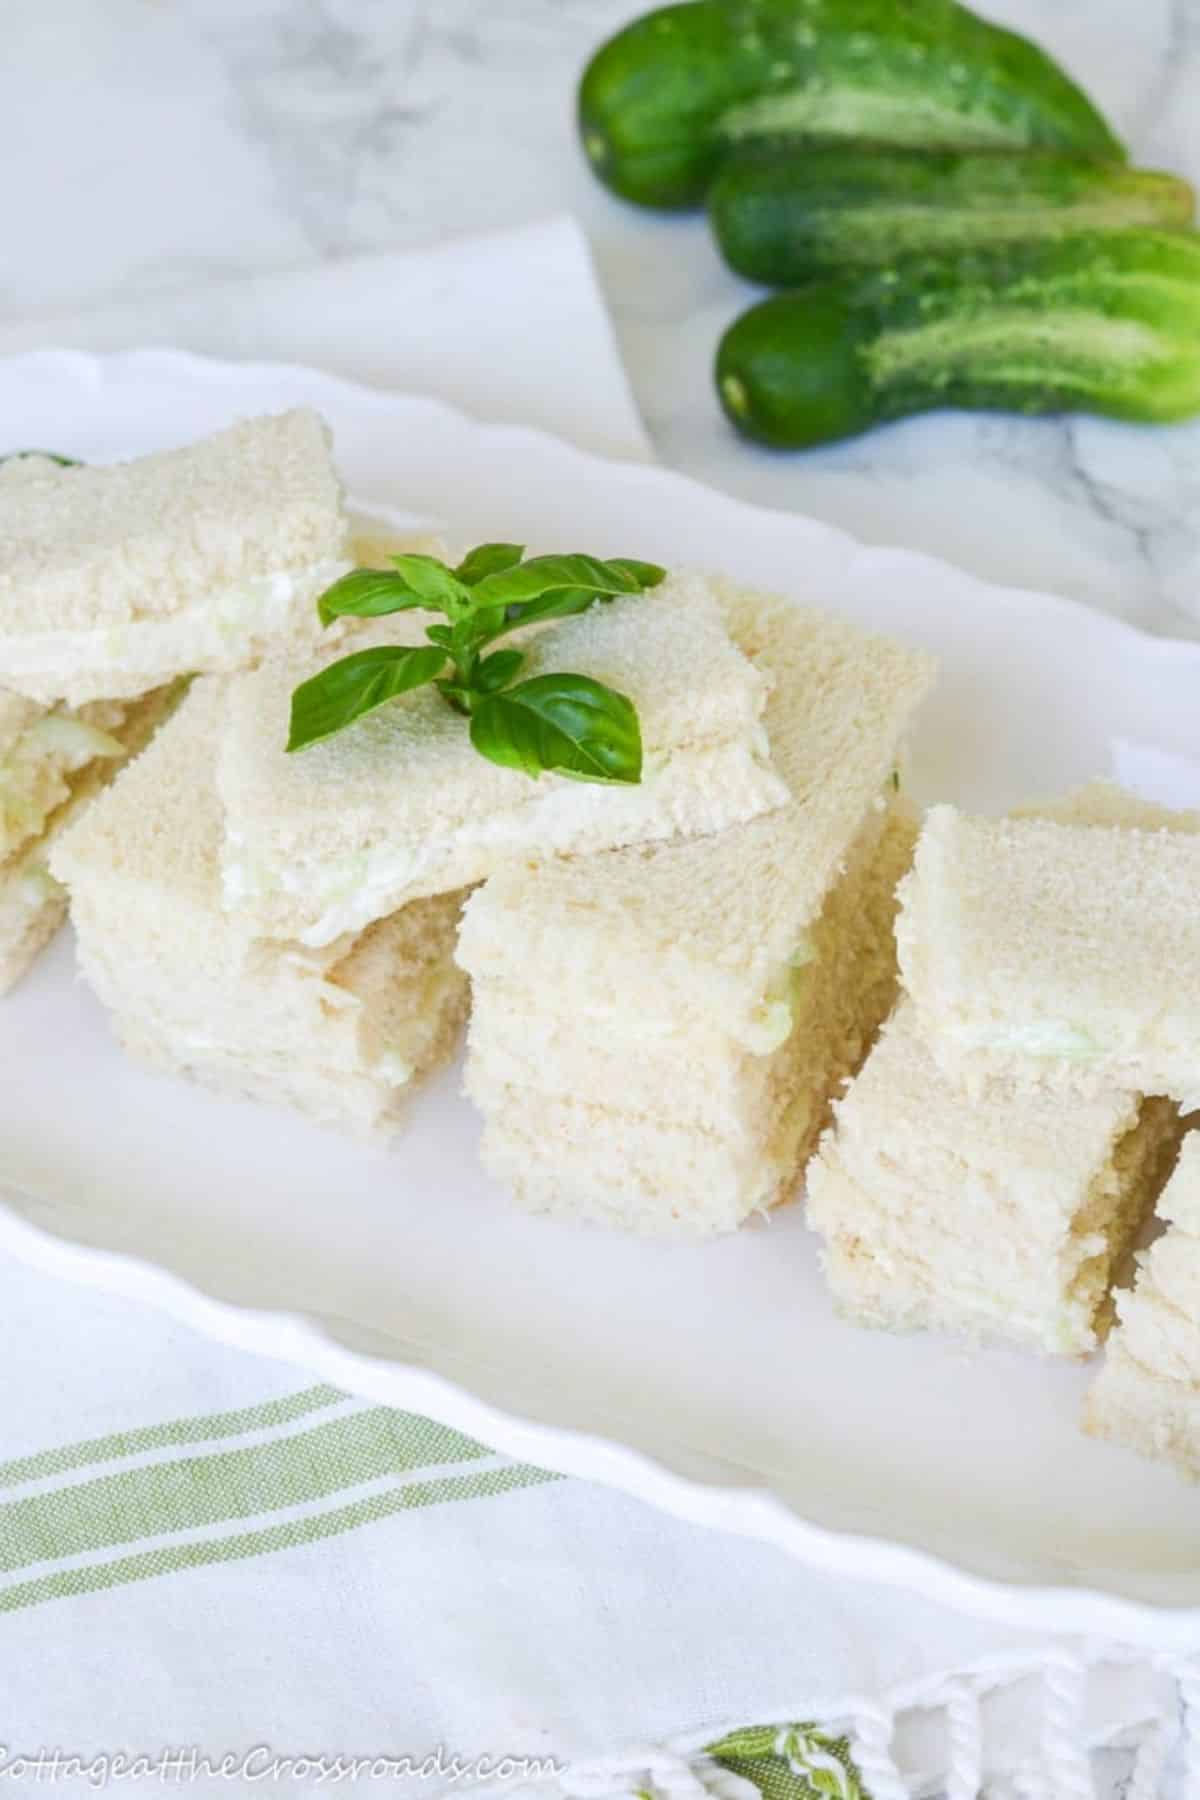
<point>714,1381</point>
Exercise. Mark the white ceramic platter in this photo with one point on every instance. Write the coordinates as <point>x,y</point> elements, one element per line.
<point>712,1381</point>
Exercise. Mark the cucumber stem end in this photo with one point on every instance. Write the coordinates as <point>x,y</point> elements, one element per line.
<point>595,146</point>
<point>735,395</point>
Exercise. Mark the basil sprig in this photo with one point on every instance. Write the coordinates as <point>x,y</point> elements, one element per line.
<point>566,723</point>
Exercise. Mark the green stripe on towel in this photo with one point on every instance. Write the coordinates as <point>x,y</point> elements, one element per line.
<point>197,1430</point>
<point>240,1483</point>
<point>277,1537</point>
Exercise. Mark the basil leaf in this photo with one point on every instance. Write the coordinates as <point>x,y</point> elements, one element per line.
<point>560,603</point>
<point>488,559</point>
<point>440,634</point>
<point>366,594</point>
<point>496,671</point>
<point>567,723</point>
<point>647,575</point>
<point>479,627</point>
<point>541,574</point>
<point>438,586</point>
<point>64,462</point>
<point>356,685</point>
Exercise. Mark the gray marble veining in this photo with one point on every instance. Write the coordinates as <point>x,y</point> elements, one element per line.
<point>148,143</point>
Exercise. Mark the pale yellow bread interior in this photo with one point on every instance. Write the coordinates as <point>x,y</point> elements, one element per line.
<point>1147,1394</point>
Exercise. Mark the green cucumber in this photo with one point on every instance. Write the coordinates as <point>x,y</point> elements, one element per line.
<point>1101,324</point>
<point>785,216</point>
<point>662,102</point>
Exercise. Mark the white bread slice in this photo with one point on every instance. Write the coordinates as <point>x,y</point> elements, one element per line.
<point>341,1032</point>
<point>322,841</point>
<point>1048,952</point>
<point>32,904</point>
<point>1000,1219</point>
<point>1147,1395</point>
<point>115,580</point>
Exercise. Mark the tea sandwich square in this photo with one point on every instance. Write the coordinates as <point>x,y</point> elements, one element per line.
<point>667,1065</point>
<point>1006,1217</point>
<point>340,1033</point>
<point>400,805</point>
<point>1005,1220</point>
<point>115,579</point>
<point>1049,952</point>
<point>1147,1395</point>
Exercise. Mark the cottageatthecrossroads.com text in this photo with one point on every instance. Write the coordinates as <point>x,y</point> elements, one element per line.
<point>179,1767</point>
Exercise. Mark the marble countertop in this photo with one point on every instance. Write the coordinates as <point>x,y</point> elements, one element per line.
<point>159,143</point>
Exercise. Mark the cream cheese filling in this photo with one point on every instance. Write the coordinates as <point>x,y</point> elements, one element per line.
<point>204,632</point>
<point>1056,1038</point>
<point>355,890</point>
<point>36,770</point>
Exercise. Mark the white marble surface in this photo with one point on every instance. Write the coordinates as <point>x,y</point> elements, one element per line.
<point>154,143</point>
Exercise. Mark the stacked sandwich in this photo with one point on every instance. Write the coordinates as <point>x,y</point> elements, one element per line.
<point>1008,1137</point>
<point>664,1059</point>
<point>337,1033</point>
<point>115,582</point>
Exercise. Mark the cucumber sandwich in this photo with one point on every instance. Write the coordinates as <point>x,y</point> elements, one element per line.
<point>115,580</point>
<point>1006,1219</point>
<point>340,1033</point>
<point>665,1064</point>
<point>401,804</point>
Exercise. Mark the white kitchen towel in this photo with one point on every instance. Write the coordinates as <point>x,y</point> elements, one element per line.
<point>204,1555</point>
<point>205,1551</point>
